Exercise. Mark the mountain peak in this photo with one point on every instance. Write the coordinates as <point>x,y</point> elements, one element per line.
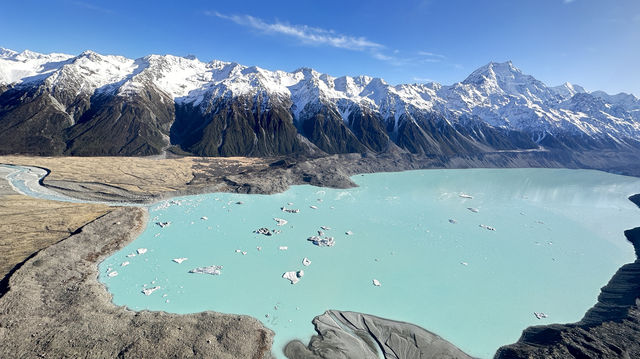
<point>494,72</point>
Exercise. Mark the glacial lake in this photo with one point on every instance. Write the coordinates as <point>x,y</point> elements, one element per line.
<point>558,239</point>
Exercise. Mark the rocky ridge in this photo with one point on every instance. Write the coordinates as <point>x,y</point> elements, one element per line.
<point>94,104</point>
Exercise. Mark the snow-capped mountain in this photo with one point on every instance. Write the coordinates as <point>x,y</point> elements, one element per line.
<point>94,104</point>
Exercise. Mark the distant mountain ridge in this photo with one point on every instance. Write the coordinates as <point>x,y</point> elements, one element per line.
<point>92,104</point>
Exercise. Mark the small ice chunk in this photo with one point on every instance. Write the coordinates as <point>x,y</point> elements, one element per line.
<point>259,248</point>
<point>124,264</point>
<point>540,315</point>
<point>163,224</point>
<point>348,233</point>
<point>452,221</point>
<point>131,255</point>
<point>142,250</point>
<point>244,253</point>
<point>376,282</point>
<point>148,291</point>
<point>238,250</point>
<point>213,270</point>
<point>112,274</point>
<point>487,227</point>
<point>180,260</point>
<point>313,207</point>
<point>464,263</point>
<point>283,248</point>
<point>204,218</point>
<point>263,230</point>
<point>464,195</point>
<point>293,276</point>
<point>280,221</point>
<point>474,210</point>
<point>322,242</point>
<point>325,228</point>
<point>306,261</point>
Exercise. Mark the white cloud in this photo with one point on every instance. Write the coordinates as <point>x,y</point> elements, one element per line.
<point>431,54</point>
<point>306,34</point>
<point>568,1</point>
<point>321,37</point>
<point>422,79</point>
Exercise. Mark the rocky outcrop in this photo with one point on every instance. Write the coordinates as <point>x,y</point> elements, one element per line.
<point>349,335</point>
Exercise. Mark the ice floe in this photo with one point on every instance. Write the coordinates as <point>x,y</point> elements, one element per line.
<point>322,241</point>
<point>149,291</point>
<point>213,270</point>
<point>179,260</point>
<point>487,227</point>
<point>263,230</point>
<point>376,282</point>
<point>306,262</point>
<point>293,276</point>
<point>163,224</point>
<point>142,250</point>
<point>280,221</point>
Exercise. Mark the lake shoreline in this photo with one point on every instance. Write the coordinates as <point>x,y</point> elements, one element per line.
<point>524,342</point>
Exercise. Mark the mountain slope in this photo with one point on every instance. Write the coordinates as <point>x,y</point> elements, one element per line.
<point>94,104</point>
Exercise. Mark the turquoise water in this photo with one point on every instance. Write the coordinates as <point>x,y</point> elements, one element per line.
<point>558,239</point>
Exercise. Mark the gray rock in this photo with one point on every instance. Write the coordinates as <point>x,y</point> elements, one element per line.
<point>350,335</point>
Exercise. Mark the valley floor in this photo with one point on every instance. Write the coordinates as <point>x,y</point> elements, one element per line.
<point>51,250</point>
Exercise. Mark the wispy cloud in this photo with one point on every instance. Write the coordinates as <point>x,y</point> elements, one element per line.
<point>422,79</point>
<point>568,1</point>
<point>305,34</point>
<point>93,7</point>
<point>426,56</point>
<point>315,36</point>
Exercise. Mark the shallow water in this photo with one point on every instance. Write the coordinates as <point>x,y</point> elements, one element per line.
<point>558,239</point>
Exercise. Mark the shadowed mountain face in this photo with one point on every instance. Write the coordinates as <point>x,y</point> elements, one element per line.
<point>92,104</point>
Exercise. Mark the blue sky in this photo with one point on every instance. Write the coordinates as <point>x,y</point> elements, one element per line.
<point>594,43</point>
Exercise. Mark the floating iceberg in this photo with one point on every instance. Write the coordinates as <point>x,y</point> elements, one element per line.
<point>322,242</point>
<point>148,291</point>
<point>163,224</point>
<point>213,270</point>
<point>487,227</point>
<point>180,260</point>
<point>112,274</point>
<point>293,276</point>
<point>263,230</point>
<point>474,210</point>
<point>306,262</point>
<point>376,282</point>
<point>280,221</point>
<point>142,250</point>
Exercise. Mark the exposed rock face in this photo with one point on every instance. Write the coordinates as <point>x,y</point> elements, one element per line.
<point>55,307</point>
<point>349,335</point>
<point>608,330</point>
<point>93,104</point>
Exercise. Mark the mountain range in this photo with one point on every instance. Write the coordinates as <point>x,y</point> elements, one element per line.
<point>93,104</point>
